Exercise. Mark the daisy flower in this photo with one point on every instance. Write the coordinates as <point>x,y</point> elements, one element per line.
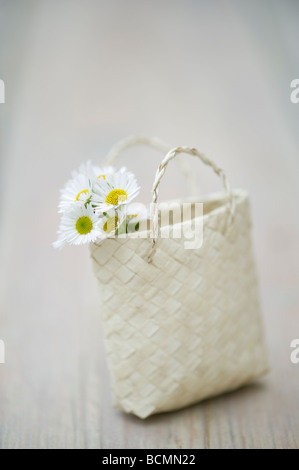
<point>114,191</point>
<point>79,225</point>
<point>135,214</point>
<point>77,191</point>
<point>112,223</point>
<point>93,171</point>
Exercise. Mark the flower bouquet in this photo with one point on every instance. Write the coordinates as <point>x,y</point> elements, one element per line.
<point>96,203</point>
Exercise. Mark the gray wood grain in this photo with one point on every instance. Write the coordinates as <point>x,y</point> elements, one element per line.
<point>78,77</point>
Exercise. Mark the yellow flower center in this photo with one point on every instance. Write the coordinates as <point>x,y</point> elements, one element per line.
<point>132,216</point>
<point>102,176</point>
<point>84,225</point>
<point>116,196</point>
<point>84,191</point>
<point>111,224</point>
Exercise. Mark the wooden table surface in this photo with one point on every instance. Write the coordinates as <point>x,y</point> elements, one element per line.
<point>78,76</point>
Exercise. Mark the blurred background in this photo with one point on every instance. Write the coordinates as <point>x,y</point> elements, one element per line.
<point>80,75</point>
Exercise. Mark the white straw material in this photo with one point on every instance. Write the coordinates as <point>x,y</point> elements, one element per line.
<point>187,325</point>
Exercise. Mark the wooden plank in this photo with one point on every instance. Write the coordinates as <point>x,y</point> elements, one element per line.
<point>73,94</point>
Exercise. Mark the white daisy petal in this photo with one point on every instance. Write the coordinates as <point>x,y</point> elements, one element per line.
<point>76,192</point>
<point>113,222</point>
<point>93,171</point>
<point>121,188</point>
<point>78,226</point>
<point>135,214</point>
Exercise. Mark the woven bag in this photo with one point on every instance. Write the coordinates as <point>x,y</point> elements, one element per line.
<point>181,325</point>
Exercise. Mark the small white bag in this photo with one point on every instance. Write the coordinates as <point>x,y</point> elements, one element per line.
<point>182,325</point>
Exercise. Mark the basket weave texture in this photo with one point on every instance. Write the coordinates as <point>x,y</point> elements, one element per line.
<point>188,325</point>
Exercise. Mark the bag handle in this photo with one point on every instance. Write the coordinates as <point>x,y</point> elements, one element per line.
<point>159,175</point>
<point>158,144</point>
